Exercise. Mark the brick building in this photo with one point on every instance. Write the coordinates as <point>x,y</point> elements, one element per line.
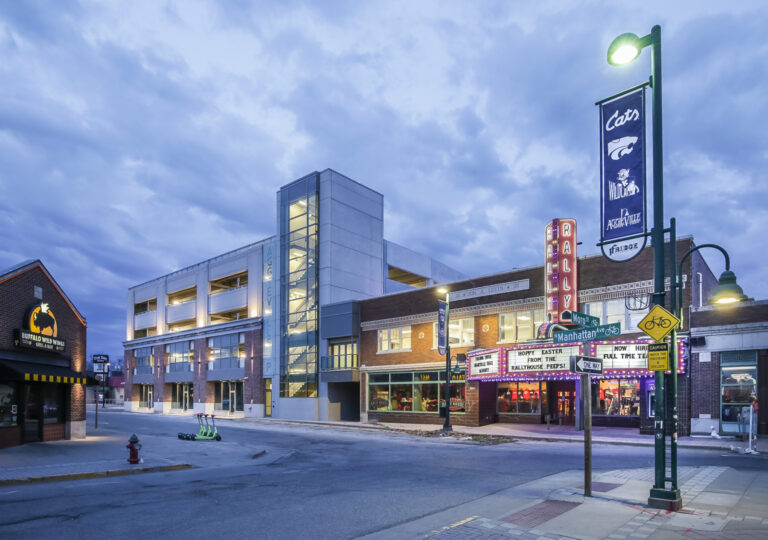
<point>42,359</point>
<point>503,321</point>
<point>729,363</point>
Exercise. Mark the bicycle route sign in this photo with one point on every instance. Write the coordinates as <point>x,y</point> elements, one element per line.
<point>658,323</point>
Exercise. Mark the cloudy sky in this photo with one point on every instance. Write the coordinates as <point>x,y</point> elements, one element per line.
<point>140,137</point>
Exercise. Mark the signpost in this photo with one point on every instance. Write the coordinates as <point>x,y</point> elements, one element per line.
<point>587,365</point>
<point>602,331</point>
<point>100,366</point>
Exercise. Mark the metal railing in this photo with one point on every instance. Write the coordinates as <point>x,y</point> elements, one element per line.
<point>331,363</point>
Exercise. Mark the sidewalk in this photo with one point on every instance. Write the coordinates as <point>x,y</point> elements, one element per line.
<point>534,432</point>
<point>719,502</point>
<point>104,453</point>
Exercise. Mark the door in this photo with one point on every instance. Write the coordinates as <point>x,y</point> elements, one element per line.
<point>32,401</point>
<point>565,404</point>
<point>150,396</point>
<point>232,398</point>
<point>186,396</point>
<point>267,397</point>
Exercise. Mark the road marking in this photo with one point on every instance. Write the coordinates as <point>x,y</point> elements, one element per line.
<point>449,527</point>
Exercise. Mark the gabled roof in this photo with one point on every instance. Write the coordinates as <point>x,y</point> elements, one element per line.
<point>26,266</point>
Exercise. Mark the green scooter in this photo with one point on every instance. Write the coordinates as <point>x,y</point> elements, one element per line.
<point>209,431</point>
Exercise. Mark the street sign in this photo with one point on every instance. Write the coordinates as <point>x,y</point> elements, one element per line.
<point>582,319</point>
<point>658,323</point>
<point>441,310</point>
<point>586,365</point>
<point>658,357</point>
<point>100,358</point>
<point>588,334</point>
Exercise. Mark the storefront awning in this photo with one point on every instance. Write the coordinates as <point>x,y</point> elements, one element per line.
<point>15,370</point>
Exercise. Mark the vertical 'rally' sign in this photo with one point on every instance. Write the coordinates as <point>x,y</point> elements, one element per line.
<point>560,269</point>
<point>622,158</point>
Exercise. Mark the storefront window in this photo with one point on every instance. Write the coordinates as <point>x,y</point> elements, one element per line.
<point>228,396</point>
<point>379,397</point>
<point>9,405</point>
<point>616,397</point>
<point>402,397</point>
<point>738,384</point>
<point>53,404</point>
<point>415,392</point>
<point>520,398</point>
<point>425,397</point>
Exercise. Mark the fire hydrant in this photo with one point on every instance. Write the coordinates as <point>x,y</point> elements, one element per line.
<point>133,447</point>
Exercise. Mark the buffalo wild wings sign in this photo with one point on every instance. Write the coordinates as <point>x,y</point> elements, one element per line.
<point>41,330</point>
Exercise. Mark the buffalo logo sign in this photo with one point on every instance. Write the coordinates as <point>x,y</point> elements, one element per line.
<point>42,330</point>
<point>43,321</point>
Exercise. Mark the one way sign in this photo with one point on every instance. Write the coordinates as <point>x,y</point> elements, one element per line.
<point>586,365</point>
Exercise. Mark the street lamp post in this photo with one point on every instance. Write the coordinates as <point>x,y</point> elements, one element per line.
<point>447,424</point>
<point>622,50</point>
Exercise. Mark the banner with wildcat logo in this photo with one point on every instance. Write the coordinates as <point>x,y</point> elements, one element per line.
<point>622,160</point>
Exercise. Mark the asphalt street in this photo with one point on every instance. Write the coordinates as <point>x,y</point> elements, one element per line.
<point>299,481</point>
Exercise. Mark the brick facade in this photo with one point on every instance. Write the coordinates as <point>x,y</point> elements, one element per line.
<point>203,389</point>
<point>17,296</point>
<point>742,327</point>
<point>599,279</point>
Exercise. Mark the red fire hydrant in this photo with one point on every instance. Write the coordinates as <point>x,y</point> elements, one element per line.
<point>133,447</point>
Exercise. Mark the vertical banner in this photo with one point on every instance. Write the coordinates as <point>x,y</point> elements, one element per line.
<point>622,174</point>
<point>560,269</point>
<point>441,326</point>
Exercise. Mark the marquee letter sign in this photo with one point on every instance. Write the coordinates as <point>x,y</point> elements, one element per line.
<point>560,269</point>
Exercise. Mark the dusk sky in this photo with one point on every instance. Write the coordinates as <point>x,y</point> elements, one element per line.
<point>137,138</point>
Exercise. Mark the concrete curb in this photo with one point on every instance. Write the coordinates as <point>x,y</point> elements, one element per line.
<point>93,474</point>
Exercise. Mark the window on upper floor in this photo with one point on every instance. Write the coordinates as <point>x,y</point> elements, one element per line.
<point>228,316</point>
<point>233,281</point>
<point>145,332</point>
<point>461,332</point>
<point>146,305</point>
<point>395,339</point>
<point>183,295</point>
<point>186,324</point>
<point>615,311</point>
<point>520,325</point>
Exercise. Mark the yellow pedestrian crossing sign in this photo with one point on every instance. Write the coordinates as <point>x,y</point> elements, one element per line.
<point>658,323</point>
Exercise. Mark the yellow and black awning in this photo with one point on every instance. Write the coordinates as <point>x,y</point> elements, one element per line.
<point>15,370</point>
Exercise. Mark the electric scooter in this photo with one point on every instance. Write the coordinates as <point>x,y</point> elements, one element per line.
<point>192,436</point>
<point>211,431</point>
